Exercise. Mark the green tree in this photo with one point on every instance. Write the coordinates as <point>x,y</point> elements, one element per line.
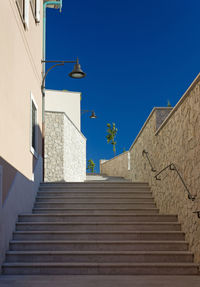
<point>168,104</point>
<point>112,132</point>
<point>91,165</point>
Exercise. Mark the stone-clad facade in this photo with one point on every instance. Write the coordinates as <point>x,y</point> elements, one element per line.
<point>175,140</point>
<point>65,149</point>
<point>117,166</point>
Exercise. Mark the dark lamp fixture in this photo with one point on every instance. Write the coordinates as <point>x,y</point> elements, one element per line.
<point>93,116</point>
<point>77,73</point>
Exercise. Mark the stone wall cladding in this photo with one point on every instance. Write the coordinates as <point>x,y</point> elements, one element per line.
<point>54,146</point>
<point>161,114</point>
<point>74,153</point>
<point>118,166</point>
<point>65,149</point>
<point>177,141</point>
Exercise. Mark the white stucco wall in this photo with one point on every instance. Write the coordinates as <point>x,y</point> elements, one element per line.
<point>66,102</point>
<point>65,149</point>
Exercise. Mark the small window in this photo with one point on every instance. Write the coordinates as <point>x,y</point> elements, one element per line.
<point>34,127</point>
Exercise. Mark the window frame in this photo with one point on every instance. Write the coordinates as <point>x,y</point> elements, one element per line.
<point>34,150</point>
<point>35,7</point>
<point>24,14</point>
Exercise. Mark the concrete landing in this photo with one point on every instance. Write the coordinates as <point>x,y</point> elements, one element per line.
<point>99,281</point>
<point>102,177</point>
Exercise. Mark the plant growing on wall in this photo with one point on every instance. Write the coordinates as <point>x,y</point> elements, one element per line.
<point>91,165</point>
<point>112,132</point>
<point>169,104</point>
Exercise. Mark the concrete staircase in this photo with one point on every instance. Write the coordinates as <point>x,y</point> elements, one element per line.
<point>98,228</point>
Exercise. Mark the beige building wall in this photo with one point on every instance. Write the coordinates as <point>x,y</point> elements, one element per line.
<point>20,76</point>
<point>66,102</point>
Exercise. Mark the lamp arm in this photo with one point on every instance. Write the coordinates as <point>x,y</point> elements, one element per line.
<point>86,111</point>
<point>43,80</point>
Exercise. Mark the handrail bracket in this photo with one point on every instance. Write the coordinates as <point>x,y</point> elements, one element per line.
<point>144,152</point>
<point>198,213</point>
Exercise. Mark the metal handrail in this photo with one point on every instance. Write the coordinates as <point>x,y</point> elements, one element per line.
<point>144,152</point>
<point>172,166</point>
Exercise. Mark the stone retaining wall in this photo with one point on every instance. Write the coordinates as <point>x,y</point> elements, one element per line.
<point>175,140</point>
<point>65,149</point>
<point>118,166</point>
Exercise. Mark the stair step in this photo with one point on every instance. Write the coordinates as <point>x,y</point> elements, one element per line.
<point>96,205</point>
<point>99,256</point>
<point>104,226</point>
<point>89,245</point>
<point>84,185</point>
<point>98,235</point>
<point>56,217</point>
<point>118,187</point>
<point>94,211</point>
<point>103,193</point>
<point>94,199</point>
<point>83,268</point>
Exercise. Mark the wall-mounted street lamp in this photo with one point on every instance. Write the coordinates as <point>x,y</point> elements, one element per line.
<point>76,73</point>
<point>92,116</point>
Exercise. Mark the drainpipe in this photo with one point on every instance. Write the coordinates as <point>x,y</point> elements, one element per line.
<point>45,5</point>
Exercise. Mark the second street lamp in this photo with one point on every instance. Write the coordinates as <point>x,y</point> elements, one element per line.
<point>93,115</point>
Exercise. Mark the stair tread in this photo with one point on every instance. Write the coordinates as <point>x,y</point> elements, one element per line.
<point>77,197</point>
<point>101,241</point>
<point>132,209</point>
<point>82,264</point>
<point>98,223</point>
<point>80,214</point>
<point>113,189</point>
<point>101,232</point>
<point>104,252</point>
<point>102,182</point>
<point>61,202</point>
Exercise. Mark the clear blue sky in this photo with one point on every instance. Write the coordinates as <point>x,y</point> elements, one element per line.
<point>137,55</point>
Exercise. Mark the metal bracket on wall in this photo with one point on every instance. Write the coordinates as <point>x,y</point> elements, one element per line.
<point>198,213</point>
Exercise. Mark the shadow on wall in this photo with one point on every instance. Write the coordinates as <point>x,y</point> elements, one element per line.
<point>17,194</point>
<point>9,171</point>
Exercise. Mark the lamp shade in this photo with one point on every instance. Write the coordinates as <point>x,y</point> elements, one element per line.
<point>77,73</point>
<point>93,116</point>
